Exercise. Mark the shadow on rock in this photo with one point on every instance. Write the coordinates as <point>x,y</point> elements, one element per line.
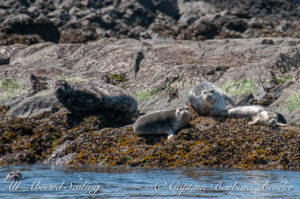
<point>105,119</point>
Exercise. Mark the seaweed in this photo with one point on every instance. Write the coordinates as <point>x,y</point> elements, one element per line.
<point>206,141</point>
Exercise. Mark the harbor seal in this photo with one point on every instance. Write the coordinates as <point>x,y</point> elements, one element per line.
<point>258,114</point>
<point>95,98</point>
<point>14,176</point>
<point>207,98</point>
<point>163,121</point>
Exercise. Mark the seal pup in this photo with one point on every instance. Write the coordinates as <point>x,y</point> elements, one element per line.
<point>163,121</point>
<point>258,114</point>
<point>207,98</point>
<point>14,176</point>
<point>95,98</point>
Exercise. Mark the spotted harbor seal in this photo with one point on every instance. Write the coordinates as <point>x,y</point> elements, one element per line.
<point>14,176</point>
<point>163,121</point>
<point>93,98</point>
<point>258,114</point>
<point>207,98</point>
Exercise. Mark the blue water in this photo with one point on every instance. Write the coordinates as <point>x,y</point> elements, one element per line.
<point>42,181</point>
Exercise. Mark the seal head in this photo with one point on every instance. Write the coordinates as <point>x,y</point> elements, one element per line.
<point>14,176</point>
<point>182,114</point>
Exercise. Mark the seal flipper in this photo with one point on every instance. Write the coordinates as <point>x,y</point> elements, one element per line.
<point>255,120</point>
<point>230,100</point>
<point>170,133</point>
<point>280,124</point>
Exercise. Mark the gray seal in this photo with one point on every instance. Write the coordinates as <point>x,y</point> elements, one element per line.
<point>95,98</point>
<point>207,98</point>
<point>163,122</point>
<point>258,114</point>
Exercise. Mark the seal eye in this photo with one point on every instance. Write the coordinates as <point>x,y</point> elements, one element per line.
<point>204,92</point>
<point>186,109</point>
<point>212,91</point>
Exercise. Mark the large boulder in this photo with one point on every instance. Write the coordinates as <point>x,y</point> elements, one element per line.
<point>35,105</point>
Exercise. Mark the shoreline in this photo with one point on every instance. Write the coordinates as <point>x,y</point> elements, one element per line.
<point>159,74</point>
<point>191,147</point>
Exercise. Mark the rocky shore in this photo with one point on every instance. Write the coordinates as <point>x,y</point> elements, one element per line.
<point>36,128</point>
<point>210,142</point>
<point>79,21</point>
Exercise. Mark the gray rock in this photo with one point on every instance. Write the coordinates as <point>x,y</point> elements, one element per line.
<point>159,73</point>
<point>60,155</point>
<point>42,102</point>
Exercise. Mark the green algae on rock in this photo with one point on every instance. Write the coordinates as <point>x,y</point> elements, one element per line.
<point>74,79</point>
<point>10,88</point>
<point>147,94</point>
<point>238,87</point>
<point>292,102</point>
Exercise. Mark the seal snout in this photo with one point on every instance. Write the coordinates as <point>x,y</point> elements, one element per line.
<point>61,84</point>
<point>209,95</point>
<point>183,114</point>
<point>272,119</point>
<point>209,92</point>
<point>184,110</point>
<point>273,122</point>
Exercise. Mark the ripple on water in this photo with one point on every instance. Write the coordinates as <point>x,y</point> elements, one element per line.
<point>86,182</point>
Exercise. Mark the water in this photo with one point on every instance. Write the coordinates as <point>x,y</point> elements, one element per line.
<point>42,181</point>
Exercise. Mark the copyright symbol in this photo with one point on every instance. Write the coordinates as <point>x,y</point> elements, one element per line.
<point>160,185</point>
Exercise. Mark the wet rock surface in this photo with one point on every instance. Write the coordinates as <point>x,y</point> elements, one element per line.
<point>71,21</point>
<point>35,127</point>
